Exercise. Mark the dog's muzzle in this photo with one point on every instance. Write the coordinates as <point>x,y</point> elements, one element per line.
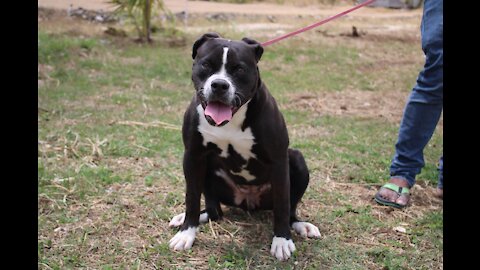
<point>220,104</point>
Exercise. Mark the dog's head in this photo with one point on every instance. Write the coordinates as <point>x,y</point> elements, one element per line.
<point>225,75</point>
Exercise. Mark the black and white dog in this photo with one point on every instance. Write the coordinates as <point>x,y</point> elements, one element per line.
<point>236,146</point>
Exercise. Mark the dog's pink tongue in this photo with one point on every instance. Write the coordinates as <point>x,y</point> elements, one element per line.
<point>219,112</point>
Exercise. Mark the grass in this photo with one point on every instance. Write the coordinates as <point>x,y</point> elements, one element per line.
<point>110,151</point>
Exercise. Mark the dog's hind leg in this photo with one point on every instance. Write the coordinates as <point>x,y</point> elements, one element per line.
<point>178,220</point>
<point>212,207</point>
<point>299,179</point>
<point>212,211</point>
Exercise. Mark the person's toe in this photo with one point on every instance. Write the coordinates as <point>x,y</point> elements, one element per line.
<point>402,200</point>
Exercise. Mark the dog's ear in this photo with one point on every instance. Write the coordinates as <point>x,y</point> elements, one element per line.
<point>202,40</point>
<point>256,46</point>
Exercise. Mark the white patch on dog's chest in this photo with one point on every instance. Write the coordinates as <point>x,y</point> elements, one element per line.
<point>229,134</point>
<point>244,173</point>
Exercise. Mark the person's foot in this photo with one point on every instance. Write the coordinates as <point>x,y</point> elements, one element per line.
<point>396,195</point>
<point>439,193</point>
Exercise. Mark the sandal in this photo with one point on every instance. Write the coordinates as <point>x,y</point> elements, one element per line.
<point>401,191</point>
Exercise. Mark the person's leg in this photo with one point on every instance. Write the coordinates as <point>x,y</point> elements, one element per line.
<point>416,129</point>
<point>422,110</point>
<point>439,192</point>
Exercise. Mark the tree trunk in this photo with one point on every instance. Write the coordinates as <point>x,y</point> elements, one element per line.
<point>146,19</point>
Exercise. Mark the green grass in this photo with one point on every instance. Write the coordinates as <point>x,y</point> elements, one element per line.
<point>107,187</point>
<point>309,69</point>
<point>53,50</point>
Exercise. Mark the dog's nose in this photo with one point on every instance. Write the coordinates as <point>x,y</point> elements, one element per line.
<point>220,86</point>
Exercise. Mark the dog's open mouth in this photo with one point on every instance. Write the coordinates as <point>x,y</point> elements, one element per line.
<point>218,113</point>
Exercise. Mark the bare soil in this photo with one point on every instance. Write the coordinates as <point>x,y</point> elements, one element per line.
<point>251,8</point>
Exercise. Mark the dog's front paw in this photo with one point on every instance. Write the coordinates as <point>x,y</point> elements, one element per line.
<point>282,248</point>
<point>183,239</point>
<point>306,229</point>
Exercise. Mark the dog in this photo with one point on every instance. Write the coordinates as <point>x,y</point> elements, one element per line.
<point>237,146</point>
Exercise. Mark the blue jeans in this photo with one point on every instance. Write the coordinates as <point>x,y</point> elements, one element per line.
<point>425,103</point>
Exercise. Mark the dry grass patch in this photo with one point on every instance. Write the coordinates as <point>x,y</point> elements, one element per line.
<point>387,105</point>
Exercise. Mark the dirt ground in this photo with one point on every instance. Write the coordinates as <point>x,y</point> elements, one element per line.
<point>253,8</point>
<point>274,20</point>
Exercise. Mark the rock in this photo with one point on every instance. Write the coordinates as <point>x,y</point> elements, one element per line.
<point>91,15</point>
<point>115,32</point>
<point>217,17</point>
<point>400,229</point>
<point>99,18</point>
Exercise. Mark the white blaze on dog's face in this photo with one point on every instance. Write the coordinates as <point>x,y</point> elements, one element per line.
<point>225,75</point>
<point>215,82</point>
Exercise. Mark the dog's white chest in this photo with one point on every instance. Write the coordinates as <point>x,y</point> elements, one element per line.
<point>229,134</point>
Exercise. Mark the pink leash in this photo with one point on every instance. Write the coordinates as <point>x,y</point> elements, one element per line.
<point>277,39</point>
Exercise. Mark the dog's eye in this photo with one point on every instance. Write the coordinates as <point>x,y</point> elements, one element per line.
<point>205,65</point>
<point>239,69</point>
